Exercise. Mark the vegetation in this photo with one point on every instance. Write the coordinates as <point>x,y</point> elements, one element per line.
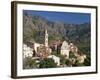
<point>71,55</point>
<point>79,34</point>
<point>87,61</point>
<point>29,63</point>
<point>47,63</point>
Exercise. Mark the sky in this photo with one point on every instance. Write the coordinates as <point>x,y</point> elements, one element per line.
<point>65,17</point>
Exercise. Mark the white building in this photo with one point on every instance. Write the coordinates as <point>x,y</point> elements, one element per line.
<point>55,58</point>
<point>36,45</point>
<point>65,49</point>
<point>27,51</point>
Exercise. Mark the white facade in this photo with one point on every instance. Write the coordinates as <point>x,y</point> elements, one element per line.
<point>36,45</point>
<point>27,51</point>
<point>55,58</point>
<point>65,49</point>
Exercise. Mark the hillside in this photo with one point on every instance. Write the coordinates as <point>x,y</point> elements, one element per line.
<point>79,34</point>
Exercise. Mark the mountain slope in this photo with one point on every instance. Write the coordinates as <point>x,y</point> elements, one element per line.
<point>79,34</point>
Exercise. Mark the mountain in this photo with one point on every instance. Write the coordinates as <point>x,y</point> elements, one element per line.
<point>79,34</point>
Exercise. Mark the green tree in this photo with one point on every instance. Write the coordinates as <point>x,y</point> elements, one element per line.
<point>62,59</point>
<point>47,63</point>
<point>87,61</point>
<point>78,63</point>
<point>29,63</point>
<point>71,55</point>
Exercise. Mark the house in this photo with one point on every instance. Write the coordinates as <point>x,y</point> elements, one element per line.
<point>43,51</point>
<point>27,51</point>
<point>35,46</point>
<point>65,49</point>
<point>73,48</point>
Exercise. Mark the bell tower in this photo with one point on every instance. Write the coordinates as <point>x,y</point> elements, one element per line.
<point>46,38</point>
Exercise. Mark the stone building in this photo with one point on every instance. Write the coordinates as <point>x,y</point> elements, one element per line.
<point>65,49</point>
<point>43,51</point>
<point>73,48</point>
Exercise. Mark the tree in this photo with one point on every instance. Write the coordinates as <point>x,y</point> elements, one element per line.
<point>77,63</point>
<point>68,62</point>
<point>62,59</point>
<point>87,61</point>
<point>72,55</point>
<point>47,63</point>
<point>29,63</point>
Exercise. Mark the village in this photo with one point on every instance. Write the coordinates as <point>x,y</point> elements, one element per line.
<point>59,51</point>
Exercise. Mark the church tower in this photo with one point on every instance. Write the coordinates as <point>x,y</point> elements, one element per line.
<point>46,38</point>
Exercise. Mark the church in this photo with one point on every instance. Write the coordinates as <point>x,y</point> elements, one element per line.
<point>65,49</point>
